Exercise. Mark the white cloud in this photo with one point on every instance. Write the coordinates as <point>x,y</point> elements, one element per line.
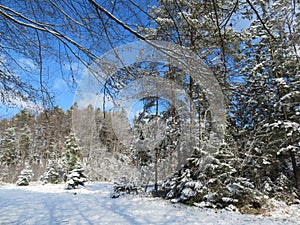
<point>27,64</point>
<point>85,99</point>
<point>88,93</point>
<point>94,99</point>
<point>59,84</point>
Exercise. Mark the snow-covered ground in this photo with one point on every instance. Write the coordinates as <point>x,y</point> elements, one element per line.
<point>51,204</point>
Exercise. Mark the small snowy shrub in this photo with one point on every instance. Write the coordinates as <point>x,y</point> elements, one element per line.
<point>50,176</point>
<point>124,187</point>
<point>25,177</point>
<point>76,177</point>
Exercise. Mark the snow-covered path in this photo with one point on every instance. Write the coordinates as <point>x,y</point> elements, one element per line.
<point>51,204</point>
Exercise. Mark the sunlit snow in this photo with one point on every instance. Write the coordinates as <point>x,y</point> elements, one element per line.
<point>52,204</point>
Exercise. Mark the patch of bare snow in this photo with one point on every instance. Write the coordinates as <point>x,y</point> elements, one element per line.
<point>279,209</point>
<point>52,204</point>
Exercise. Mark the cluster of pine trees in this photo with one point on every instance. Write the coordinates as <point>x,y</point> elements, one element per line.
<point>41,143</point>
<point>51,145</point>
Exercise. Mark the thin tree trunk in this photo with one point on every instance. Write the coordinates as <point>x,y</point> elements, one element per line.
<point>104,93</point>
<point>200,129</point>
<point>173,115</point>
<point>295,169</point>
<point>191,91</point>
<point>156,147</point>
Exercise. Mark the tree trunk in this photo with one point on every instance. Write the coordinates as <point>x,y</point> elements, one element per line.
<point>191,91</point>
<point>295,169</point>
<point>156,147</point>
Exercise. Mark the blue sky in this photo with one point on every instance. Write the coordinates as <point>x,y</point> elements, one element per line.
<point>58,76</point>
<point>64,92</point>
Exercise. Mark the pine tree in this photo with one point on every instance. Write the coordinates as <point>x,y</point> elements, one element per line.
<point>76,177</point>
<point>25,144</point>
<point>268,99</point>
<point>107,134</point>
<point>52,173</point>
<point>23,123</point>
<point>210,180</point>
<point>25,177</point>
<point>72,152</point>
<point>51,126</point>
<point>9,153</point>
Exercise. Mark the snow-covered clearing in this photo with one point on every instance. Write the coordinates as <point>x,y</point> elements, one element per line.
<point>51,204</point>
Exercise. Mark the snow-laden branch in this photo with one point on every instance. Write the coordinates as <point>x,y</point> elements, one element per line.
<point>260,19</point>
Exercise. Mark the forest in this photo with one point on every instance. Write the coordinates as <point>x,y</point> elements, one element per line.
<point>210,117</point>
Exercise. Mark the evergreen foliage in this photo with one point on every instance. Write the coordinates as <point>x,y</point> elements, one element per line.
<point>211,181</point>
<point>9,152</point>
<point>25,177</point>
<point>125,187</point>
<point>72,152</point>
<point>76,177</point>
<point>53,173</point>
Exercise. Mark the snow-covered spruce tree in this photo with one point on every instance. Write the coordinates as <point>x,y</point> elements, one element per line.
<point>107,134</point>
<point>74,171</point>
<point>72,153</point>
<point>23,123</point>
<point>269,98</point>
<point>51,174</point>
<point>9,155</point>
<point>24,144</point>
<point>210,180</point>
<point>25,177</point>
<point>76,177</point>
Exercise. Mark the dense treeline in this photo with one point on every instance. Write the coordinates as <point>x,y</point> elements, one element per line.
<point>46,141</point>
<point>29,140</point>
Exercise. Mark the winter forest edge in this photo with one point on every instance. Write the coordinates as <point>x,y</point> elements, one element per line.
<point>258,71</point>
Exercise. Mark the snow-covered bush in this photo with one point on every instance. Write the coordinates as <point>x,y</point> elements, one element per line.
<point>76,177</point>
<point>125,187</point>
<point>25,177</point>
<point>51,174</point>
<point>211,181</point>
